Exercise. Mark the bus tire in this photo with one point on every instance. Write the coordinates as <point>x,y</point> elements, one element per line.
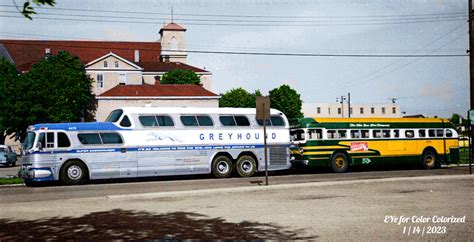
<point>339,162</point>
<point>428,159</point>
<point>222,167</point>
<point>73,172</point>
<point>246,166</point>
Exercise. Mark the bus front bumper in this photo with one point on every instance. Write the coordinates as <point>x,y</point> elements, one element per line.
<point>36,174</point>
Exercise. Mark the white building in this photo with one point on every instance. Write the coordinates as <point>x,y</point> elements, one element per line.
<point>338,110</point>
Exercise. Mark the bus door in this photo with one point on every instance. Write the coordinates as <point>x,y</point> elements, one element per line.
<point>128,163</point>
<point>46,146</point>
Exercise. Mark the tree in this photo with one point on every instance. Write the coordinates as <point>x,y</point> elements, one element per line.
<point>178,76</point>
<point>8,78</point>
<point>57,89</point>
<point>287,100</point>
<point>238,98</point>
<point>28,10</point>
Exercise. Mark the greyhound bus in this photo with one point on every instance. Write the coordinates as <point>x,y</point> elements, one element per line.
<point>155,141</point>
<point>343,142</point>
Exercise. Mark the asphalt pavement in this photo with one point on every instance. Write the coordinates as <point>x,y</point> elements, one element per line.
<point>360,205</point>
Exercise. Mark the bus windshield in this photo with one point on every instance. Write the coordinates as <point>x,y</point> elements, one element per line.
<point>114,116</point>
<point>30,139</point>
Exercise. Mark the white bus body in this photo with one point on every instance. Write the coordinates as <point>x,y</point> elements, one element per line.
<point>151,141</point>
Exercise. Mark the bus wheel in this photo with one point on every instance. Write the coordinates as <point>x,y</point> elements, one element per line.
<point>246,166</point>
<point>339,162</point>
<point>428,159</point>
<point>222,167</point>
<point>73,172</point>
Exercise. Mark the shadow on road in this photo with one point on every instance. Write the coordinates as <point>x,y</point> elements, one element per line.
<point>139,225</point>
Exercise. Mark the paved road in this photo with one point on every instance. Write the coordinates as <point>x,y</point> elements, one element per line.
<point>308,206</point>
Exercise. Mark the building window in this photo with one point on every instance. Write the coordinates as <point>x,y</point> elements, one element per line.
<point>116,64</point>
<point>394,110</point>
<point>339,111</point>
<point>122,79</point>
<point>361,110</point>
<point>329,110</point>
<point>372,110</point>
<point>100,80</point>
<point>318,110</point>
<point>383,110</point>
<point>350,110</point>
<point>106,64</point>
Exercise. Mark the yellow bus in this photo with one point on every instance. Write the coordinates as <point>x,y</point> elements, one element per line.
<point>340,143</point>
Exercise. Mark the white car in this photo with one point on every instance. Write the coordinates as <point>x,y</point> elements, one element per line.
<point>7,156</point>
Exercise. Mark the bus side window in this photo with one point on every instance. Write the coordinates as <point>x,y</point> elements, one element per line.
<point>355,134</point>
<point>342,134</point>
<point>409,133</point>
<point>164,120</point>
<point>431,133</point>
<point>386,133</point>
<point>227,120</point>
<point>331,134</point>
<point>365,133</point>
<point>204,121</point>
<point>241,121</point>
<point>147,121</point>
<point>377,134</point>
<point>189,120</point>
<point>421,133</point>
<point>63,140</point>
<point>315,134</point>
<point>396,133</point>
<point>449,133</point>
<point>277,121</point>
<point>439,133</point>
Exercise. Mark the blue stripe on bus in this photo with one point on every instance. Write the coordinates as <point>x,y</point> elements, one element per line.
<point>96,126</point>
<point>157,148</point>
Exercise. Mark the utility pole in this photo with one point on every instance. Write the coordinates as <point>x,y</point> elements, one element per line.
<point>471,80</point>
<point>471,47</point>
<point>349,103</point>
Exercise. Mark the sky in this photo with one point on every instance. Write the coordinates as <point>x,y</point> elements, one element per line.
<point>397,34</point>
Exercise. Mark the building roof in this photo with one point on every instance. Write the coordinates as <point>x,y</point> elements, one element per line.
<point>27,52</point>
<point>167,66</point>
<point>172,26</point>
<point>158,90</point>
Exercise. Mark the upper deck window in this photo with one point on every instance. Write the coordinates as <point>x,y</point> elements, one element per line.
<point>234,121</point>
<point>199,120</point>
<point>273,121</point>
<point>114,116</point>
<point>158,120</point>
<point>125,122</point>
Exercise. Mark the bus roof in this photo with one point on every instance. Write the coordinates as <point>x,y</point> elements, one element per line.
<point>372,123</point>
<point>380,120</point>
<point>192,110</point>
<point>75,126</point>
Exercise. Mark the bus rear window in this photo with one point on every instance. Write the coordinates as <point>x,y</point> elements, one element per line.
<point>297,135</point>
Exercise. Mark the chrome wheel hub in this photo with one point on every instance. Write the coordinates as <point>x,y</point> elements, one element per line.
<point>222,167</point>
<point>74,172</point>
